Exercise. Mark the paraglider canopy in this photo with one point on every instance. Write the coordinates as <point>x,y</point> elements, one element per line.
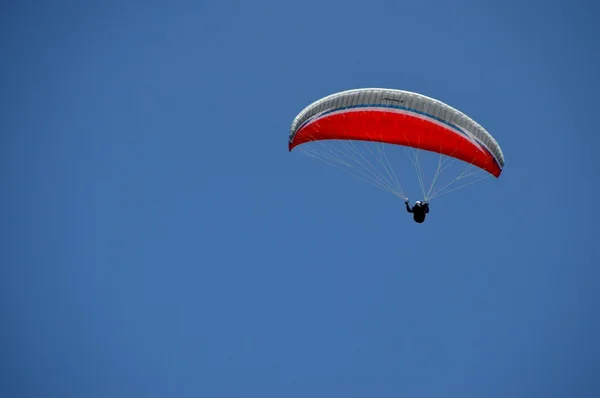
<point>398,117</point>
<point>388,117</point>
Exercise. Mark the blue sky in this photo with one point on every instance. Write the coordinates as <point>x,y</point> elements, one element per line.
<point>160,240</point>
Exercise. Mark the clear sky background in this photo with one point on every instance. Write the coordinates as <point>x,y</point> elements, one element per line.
<point>159,240</point>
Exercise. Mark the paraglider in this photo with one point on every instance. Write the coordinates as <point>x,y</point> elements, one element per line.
<point>332,128</point>
<point>419,210</point>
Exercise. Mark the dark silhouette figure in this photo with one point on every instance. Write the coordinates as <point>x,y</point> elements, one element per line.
<point>418,210</point>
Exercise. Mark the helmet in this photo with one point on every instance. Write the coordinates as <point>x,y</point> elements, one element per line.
<point>418,202</point>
